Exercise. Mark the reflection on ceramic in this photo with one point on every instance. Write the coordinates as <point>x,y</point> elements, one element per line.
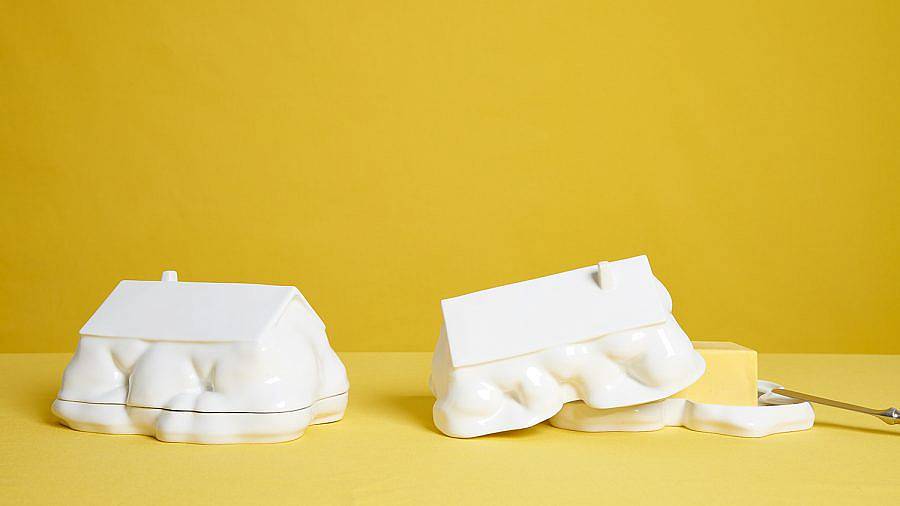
<point>203,363</point>
<point>510,357</point>
<point>745,421</point>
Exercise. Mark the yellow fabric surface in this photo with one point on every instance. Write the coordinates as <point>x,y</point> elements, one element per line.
<point>386,451</point>
<point>383,155</point>
<point>730,376</point>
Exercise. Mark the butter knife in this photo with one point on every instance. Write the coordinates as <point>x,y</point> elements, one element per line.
<point>890,416</point>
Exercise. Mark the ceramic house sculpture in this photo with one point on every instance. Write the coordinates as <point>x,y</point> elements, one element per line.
<point>203,363</point>
<point>510,357</point>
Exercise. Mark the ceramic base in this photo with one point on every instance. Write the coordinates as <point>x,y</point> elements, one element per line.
<point>199,427</point>
<point>743,421</point>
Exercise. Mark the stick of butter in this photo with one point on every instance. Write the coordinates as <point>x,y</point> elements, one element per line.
<point>730,377</point>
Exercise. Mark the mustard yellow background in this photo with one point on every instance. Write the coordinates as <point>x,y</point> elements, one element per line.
<point>384,155</point>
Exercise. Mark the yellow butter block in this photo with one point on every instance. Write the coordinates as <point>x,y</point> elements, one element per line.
<point>730,376</point>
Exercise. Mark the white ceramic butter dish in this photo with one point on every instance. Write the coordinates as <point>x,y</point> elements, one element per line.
<point>510,357</point>
<point>203,363</point>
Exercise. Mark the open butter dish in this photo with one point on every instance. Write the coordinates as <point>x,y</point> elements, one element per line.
<point>510,357</point>
<point>203,363</point>
<point>728,399</point>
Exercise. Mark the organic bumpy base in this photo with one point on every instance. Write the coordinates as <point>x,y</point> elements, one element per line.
<point>199,427</point>
<point>743,421</point>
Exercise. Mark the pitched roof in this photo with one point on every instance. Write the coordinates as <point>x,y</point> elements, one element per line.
<point>179,311</point>
<point>569,307</point>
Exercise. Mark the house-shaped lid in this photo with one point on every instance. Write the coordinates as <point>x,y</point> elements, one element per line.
<point>541,313</point>
<point>170,310</point>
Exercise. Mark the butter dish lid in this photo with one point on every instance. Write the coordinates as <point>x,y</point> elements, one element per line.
<point>170,310</point>
<point>577,305</point>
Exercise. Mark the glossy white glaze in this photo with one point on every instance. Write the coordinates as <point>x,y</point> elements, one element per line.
<point>568,307</point>
<point>268,387</point>
<point>744,421</point>
<point>622,368</point>
<point>198,427</point>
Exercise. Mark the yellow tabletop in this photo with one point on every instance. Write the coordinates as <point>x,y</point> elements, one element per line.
<point>386,450</point>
